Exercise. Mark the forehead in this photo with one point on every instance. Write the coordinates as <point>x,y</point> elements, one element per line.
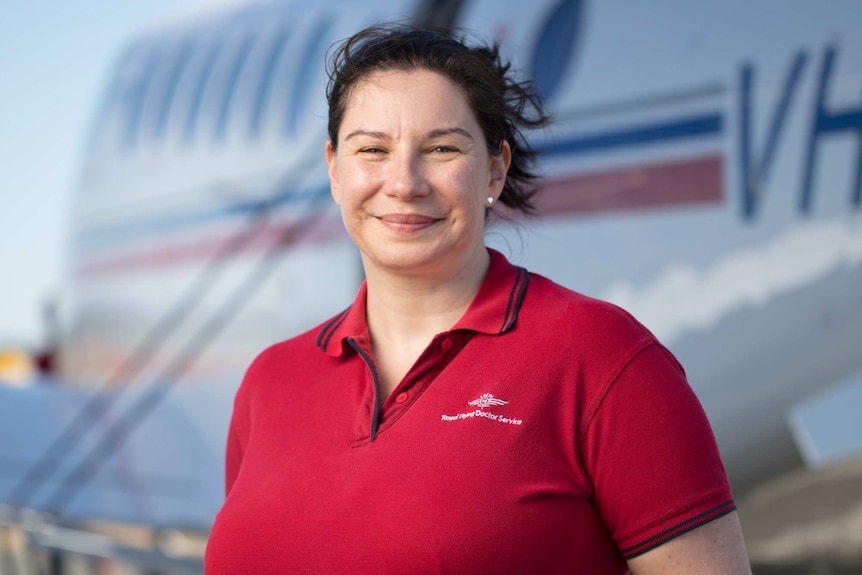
<point>413,97</point>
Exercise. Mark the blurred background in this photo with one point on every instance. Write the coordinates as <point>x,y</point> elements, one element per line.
<point>165,216</point>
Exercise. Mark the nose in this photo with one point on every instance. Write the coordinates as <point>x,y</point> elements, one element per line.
<point>407,178</point>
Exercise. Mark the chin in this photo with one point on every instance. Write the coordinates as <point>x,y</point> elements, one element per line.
<point>409,258</point>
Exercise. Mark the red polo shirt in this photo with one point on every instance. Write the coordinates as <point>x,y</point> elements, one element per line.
<point>546,432</point>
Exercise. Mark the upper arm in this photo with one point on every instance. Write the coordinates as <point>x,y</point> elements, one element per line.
<point>716,548</point>
<point>233,457</point>
<point>651,456</point>
<point>238,432</point>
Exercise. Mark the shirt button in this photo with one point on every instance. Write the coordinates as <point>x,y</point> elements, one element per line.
<point>401,397</point>
<point>447,344</point>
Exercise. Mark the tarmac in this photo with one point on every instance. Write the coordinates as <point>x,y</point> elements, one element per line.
<point>806,522</point>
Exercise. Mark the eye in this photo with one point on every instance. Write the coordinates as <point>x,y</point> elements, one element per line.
<point>444,150</point>
<point>372,150</point>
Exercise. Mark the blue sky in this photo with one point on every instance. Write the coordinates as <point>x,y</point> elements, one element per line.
<point>54,61</point>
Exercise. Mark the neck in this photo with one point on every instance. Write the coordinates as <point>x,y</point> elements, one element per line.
<point>413,308</point>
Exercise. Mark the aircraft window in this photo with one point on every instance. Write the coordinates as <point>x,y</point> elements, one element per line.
<point>199,89</point>
<point>179,65</point>
<point>112,122</point>
<point>265,83</point>
<point>556,46</point>
<point>230,86</point>
<point>134,92</point>
<point>309,67</point>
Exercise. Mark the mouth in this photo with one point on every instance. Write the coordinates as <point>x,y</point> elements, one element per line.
<point>407,222</point>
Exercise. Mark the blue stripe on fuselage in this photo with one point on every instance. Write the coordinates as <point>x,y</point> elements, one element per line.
<point>693,127</point>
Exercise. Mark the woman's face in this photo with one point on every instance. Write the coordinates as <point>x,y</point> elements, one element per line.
<point>412,173</point>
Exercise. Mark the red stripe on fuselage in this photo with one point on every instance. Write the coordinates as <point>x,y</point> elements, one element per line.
<point>673,184</point>
<point>268,237</point>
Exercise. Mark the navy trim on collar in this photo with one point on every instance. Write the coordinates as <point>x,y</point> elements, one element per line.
<point>521,281</point>
<point>331,326</point>
<point>494,309</point>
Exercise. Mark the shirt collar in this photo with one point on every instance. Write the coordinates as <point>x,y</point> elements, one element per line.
<point>493,310</point>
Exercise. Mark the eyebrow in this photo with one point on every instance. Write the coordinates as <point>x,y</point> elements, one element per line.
<point>438,133</point>
<point>370,134</point>
<point>448,131</point>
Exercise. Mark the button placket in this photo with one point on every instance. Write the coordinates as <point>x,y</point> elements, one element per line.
<point>430,364</point>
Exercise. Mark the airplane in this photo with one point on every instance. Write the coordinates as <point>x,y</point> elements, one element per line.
<point>704,172</point>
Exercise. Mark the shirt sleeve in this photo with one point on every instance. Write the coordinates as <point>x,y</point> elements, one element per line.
<point>651,454</point>
<point>233,456</point>
<point>237,435</point>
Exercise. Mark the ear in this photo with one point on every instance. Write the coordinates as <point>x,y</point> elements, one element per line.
<point>499,168</point>
<point>333,173</point>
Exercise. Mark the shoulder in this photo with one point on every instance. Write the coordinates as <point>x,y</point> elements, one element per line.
<point>279,361</point>
<point>583,343</point>
<point>585,321</point>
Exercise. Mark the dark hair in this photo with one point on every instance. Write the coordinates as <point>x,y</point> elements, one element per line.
<point>502,105</point>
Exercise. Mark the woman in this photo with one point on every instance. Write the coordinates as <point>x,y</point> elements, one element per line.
<point>463,415</point>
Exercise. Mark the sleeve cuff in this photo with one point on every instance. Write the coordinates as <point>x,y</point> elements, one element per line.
<point>674,527</point>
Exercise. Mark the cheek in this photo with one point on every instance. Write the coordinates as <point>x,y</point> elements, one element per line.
<point>356,183</point>
<point>472,187</point>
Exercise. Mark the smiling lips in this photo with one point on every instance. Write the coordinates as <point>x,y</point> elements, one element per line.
<point>407,222</point>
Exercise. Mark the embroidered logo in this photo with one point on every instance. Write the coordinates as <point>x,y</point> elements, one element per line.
<point>487,400</point>
<point>484,401</point>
